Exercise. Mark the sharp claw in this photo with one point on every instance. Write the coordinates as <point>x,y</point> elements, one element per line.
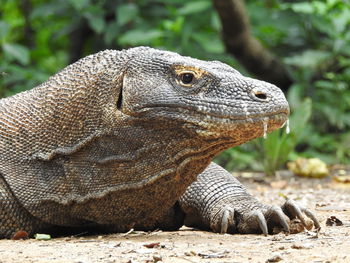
<point>311,215</point>
<point>296,212</point>
<point>281,217</point>
<point>226,219</point>
<point>224,222</point>
<point>300,216</point>
<point>262,222</point>
<point>293,210</point>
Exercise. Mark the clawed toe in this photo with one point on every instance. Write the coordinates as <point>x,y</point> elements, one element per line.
<point>312,216</point>
<point>278,217</point>
<point>293,210</point>
<point>262,222</point>
<point>217,201</point>
<point>224,221</point>
<point>227,219</point>
<point>264,219</point>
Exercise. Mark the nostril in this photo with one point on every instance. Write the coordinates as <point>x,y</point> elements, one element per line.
<point>260,95</point>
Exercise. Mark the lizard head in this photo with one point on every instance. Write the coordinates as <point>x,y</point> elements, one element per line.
<point>210,97</point>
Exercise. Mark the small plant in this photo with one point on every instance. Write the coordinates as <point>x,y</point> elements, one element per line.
<point>279,146</point>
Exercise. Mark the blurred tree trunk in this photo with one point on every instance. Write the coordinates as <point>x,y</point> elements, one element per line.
<point>78,39</point>
<point>245,47</point>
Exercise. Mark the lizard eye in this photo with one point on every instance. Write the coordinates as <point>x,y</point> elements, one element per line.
<point>186,78</point>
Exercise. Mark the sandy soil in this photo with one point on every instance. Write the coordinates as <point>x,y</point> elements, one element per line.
<point>326,197</point>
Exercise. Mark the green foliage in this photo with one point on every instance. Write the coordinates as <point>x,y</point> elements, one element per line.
<point>323,66</point>
<point>39,38</point>
<point>313,37</point>
<point>27,57</point>
<point>321,70</point>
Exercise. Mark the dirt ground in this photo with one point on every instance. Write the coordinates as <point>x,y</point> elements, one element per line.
<point>325,196</point>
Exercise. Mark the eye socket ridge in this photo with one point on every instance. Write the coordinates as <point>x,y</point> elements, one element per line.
<point>187,78</point>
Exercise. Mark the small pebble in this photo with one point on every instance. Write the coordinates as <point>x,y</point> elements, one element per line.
<point>275,258</point>
<point>157,258</point>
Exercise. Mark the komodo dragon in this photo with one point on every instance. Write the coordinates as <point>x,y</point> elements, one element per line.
<point>125,139</point>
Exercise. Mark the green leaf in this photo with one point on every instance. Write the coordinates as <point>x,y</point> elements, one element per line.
<point>47,9</point>
<point>95,15</point>
<point>300,117</point>
<point>18,52</point>
<point>324,84</point>
<point>303,7</point>
<point>97,23</point>
<point>126,13</point>
<point>341,21</point>
<point>111,32</point>
<point>309,58</point>
<point>139,37</point>
<point>175,26</point>
<point>331,3</point>
<point>320,7</point>
<point>4,28</point>
<point>215,22</point>
<point>210,43</point>
<point>79,4</point>
<point>194,7</point>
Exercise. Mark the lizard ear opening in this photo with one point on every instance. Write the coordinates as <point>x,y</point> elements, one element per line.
<point>120,99</point>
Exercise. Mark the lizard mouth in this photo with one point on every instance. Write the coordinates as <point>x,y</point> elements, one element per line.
<point>270,123</point>
<point>212,120</point>
<point>266,123</point>
<point>278,115</point>
<point>282,113</point>
<point>235,130</point>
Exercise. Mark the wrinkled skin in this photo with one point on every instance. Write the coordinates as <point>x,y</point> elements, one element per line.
<point>114,140</point>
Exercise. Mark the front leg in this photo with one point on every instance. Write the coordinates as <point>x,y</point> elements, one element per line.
<point>219,202</point>
<point>13,216</point>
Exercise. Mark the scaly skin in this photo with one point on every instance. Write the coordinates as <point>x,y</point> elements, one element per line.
<point>113,140</point>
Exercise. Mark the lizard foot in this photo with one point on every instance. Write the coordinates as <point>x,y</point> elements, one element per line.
<point>218,201</point>
<point>266,219</point>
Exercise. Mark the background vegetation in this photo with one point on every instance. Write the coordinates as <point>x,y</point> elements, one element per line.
<point>311,38</point>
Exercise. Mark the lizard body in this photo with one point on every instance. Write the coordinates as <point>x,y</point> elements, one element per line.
<point>115,140</point>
